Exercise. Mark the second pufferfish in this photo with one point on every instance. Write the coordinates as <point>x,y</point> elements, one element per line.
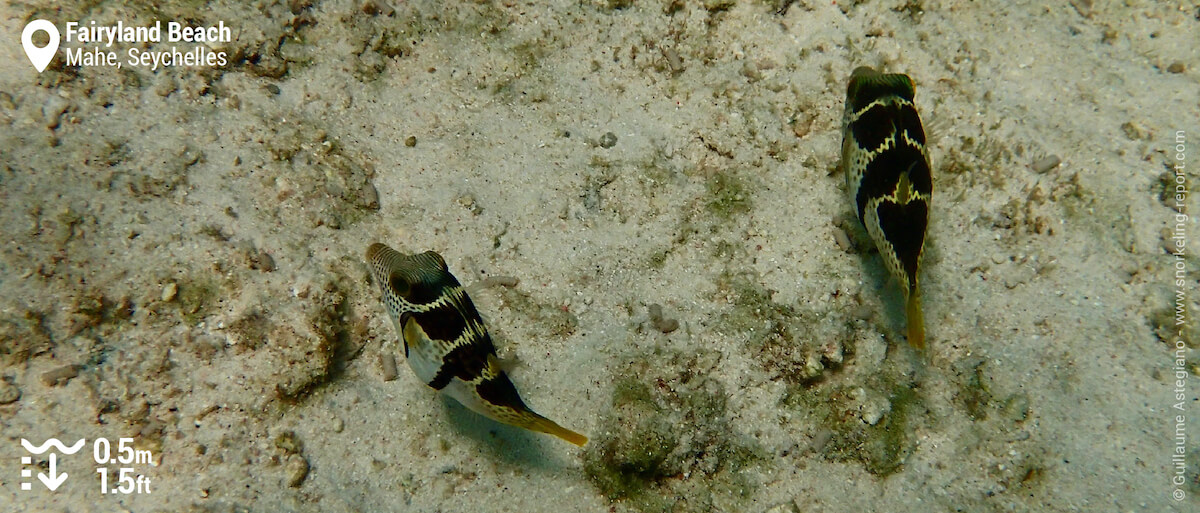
<point>888,178</point>
<point>445,341</point>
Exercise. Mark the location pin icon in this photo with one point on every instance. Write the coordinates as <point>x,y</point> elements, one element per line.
<point>40,57</point>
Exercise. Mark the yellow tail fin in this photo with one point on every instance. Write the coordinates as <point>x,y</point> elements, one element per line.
<point>916,321</point>
<point>544,425</point>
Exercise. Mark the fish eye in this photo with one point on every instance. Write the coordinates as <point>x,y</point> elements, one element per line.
<point>399,285</point>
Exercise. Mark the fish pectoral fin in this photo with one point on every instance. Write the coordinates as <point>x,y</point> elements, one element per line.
<point>412,334</point>
<point>505,365</point>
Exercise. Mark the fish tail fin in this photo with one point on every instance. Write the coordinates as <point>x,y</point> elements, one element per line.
<point>916,320</point>
<point>535,422</point>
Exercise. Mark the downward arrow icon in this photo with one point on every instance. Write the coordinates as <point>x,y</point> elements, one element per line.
<point>54,480</point>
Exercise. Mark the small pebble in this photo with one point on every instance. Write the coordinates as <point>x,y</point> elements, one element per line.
<point>786,507</point>
<point>502,281</point>
<point>9,393</point>
<point>863,312</point>
<point>297,470</point>
<point>874,411</point>
<point>751,72</point>
<point>1110,36</point>
<point>165,87</point>
<point>1044,165</point>
<point>169,292</point>
<point>387,365</point>
<point>274,89</point>
<point>298,6</point>
<point>262,261</point>
<point>60,376</point>
<point>373,8</point>
<point>820,439</point>
<point>411,141</point>
<point>608,140</point>
<point>1169,241</point>
<point>1133,130</point>
<point>673,60</point>
<point>288,441</point>
<point>1177,67</point>
<point>369,197</point>
<point>842,240</point>
<point>660,323</point>
<point>813,366</point>
<point>53,109</point>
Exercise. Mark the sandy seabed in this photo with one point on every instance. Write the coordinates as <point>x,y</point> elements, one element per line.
<point>182,259</point>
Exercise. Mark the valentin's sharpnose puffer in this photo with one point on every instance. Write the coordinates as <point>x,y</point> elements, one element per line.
<point>445,341</point>
<point>888,177</point>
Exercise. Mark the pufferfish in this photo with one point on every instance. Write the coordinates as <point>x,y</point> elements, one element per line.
<point>445,341</point>
<point>888,177</point>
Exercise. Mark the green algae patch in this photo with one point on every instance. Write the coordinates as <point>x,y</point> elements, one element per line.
<point>728,195</point>
<point>871,424</point>
<point>975,394</point>
<point>887,444</point>
<point>669,435</point>
<point>795,343</point>
<point>196,299</point>
<point>25,335</point>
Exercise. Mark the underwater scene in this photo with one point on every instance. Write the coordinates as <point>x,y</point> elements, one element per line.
<point>660,256</point>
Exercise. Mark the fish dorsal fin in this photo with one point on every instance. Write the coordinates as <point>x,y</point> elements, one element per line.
<point>904,185</point>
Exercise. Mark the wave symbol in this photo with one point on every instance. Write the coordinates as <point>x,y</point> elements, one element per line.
<point>53,442</point>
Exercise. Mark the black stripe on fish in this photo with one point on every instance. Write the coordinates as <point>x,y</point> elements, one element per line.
<point>904,228</point>
<point>874,128</point>
<point>444,321</point>
<point>499,390</point>
<point>883,172</point>
<point>467,361</point>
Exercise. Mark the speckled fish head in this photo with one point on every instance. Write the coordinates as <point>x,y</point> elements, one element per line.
<point>409,283</point>
<point>867,85</point>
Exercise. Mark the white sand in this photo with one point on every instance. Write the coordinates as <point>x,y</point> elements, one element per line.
<point>1041,289</point>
